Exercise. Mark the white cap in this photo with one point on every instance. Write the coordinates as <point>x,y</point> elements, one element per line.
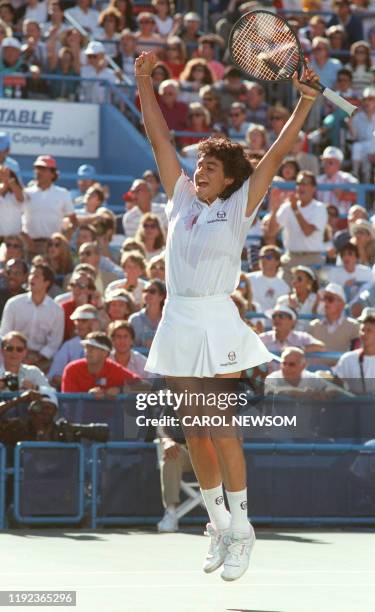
<point>50,394</point>
<point>366,312</point>
<point>333,153</point>
<point>304,269</point>
<point>335,289</point>
<point>368,92</point>
<point>86,311</point>
<point>286,310</point>
<point>94,48</point>
<point>361,224</point>
<point>10,41</point>
<point>96,344</point>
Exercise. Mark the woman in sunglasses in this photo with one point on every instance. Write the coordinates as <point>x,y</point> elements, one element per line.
<point>59,256</point>
<point>303,297</point>
<point>146,321</point>
<point>201,342</point>
<point>151,235</point>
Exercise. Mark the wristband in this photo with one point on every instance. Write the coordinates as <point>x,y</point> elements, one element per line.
<point>308,97</point>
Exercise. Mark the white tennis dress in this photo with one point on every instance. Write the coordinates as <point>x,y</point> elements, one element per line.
<point>201,333</point>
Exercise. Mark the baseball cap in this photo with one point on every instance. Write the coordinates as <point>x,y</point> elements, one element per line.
<point>94,48</point>
<point>86,171</point>
<point>4,141</point>
<point>361,224</point>
<point>191,16</point>
<point>118,296</point>
<point>368,92</point>
<point>86,311</point>
<point>367,313</point>
<point>285,310</point>
<point>46,161</point>
<point>100,343</point>
<point>305,269</point>
<point>10,41</point>
<point>333,153</point>
<point>49,393</point>
<point>335,289</point>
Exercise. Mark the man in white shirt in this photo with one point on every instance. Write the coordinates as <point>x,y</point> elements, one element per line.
<point>351,275</point>
<point>357,368</point>
<point>332,159</point>
<point>37,316</point>
<point>96,68</point>
<point>46,205</point>
<point>141,204</point>
<point>302,220</point>
<point>266,285</point>
<point>283,335</point>
<point>122,335</point>
<point>14,352</point>
<point>86,16</point>
<point>238,124</point>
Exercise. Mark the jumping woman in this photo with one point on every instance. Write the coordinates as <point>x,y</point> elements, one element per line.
<point>201,340</point>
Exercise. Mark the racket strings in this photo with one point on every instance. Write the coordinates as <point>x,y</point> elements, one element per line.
<point>265,47</point>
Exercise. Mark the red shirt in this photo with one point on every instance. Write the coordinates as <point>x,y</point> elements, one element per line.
<point>77,379</point>
<point>68,307</point>
<point>176,117</point>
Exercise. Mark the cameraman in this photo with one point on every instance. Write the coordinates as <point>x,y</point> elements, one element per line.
<point>40,425</point>
<point>16,375</point>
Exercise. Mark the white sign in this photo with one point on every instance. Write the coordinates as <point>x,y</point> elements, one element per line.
<point>51,128</point>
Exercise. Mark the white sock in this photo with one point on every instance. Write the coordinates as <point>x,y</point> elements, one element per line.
<point>238,508</point>
<point>214,500</point>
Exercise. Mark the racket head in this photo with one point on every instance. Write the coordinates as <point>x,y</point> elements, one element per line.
<point>263,45</point>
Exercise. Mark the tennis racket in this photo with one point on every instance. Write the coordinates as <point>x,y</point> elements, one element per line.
<point>264,46</point>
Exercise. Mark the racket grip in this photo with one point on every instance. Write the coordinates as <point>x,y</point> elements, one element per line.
<point>336,99</point>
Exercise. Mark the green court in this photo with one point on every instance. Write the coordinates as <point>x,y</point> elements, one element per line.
<point>141,571</point>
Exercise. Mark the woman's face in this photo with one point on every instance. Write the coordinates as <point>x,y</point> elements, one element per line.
<point>54,247</point>
<point>92,200</point>
<point>361,55</point>
<point>151,229</point>
<point>118,310</point>
<point>13,248</point>
<point>152,296</point>
<point>209,101</point>
<point>161,7</point>
<point>363,237</point>
<point>301,282</point>
<point>198,73</point>
<point>209,178</point>
<point>289,172</point>
<point>157,270</point>
<point>158,76</point>
<point>197,118</point>
<point>256,139</point>
<point>132,269</point>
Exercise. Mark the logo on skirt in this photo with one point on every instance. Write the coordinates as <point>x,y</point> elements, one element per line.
<point>232,356</point>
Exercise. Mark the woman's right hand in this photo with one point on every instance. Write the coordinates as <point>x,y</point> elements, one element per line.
<point>144,64</point>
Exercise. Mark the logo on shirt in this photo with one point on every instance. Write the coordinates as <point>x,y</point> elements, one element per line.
<point>221,215</point>
<point>232,356</point>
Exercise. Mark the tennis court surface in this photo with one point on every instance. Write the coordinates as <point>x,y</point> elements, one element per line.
<point>141,571</point>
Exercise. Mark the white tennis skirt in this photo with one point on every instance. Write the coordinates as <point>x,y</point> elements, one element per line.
<point>202,337</point>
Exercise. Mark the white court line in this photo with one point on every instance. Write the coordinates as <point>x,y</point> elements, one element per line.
<point>202,585</point>
<point>167,571</point>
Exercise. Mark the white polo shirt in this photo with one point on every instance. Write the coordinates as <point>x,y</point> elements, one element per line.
<point>87,19</point>
<point>349,370</point>
<point>267,289</point>
<point>10,215</point>
<point>294,239</point>
<point>330,197</point>
<point>132,218</point>
<point>45,210</point>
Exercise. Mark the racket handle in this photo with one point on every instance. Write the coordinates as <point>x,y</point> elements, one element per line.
<point>336,99</point>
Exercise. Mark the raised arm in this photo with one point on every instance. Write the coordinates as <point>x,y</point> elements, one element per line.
<point>156,127</point>
<point>269,164</point>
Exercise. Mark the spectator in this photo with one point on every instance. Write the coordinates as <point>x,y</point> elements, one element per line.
<point>76,42</point>
<point>278,116</point>
<point>306,161</point>
<point>156,268</point>
<point>96,373</point>
<point>86,320</point>
<point>191,32</point>
<point>195,75</point>
<point>303,297</point>
<point>266,284</point>
<point>85,233</point>
<point>315,27</point>
<point>8,14</point>
<point>150,234</point>
<point>55,25</point>
<point>105,225</point>
<point>89,253</point>
<point>352,23</point>
<point>36,10</point>
<point>59,255</point>
<point>126,9</point>
<point>332,159</point>
<point>208,45</point>
<point>126,54</point>
<point>337,40</point>
<point>14,353</point>
<point>153,181</point>
<point>293,379</point>
<point>342,237</point>
<point>109,32</point>
<point>12,248</point>
<point>198,121</point>
<point>210,99</point>
<point>12,60</point>
<point>141,197</point>
<point>146,37</point>
<point>46,205</point>
<point>96,68</point>
<point>362,127</point>
<point>5,159</point>
<point>11,201</point>
<point>303,220</point>
<point>85,179</point>
<point>134,266</point>
<point>357,368</point>
<point>15,277</point>
<point>93,199</point>
<point>64,63</point>
<point>360,64</point>
<point>335,330</point>
<point>256,106</point>
<point>37,316</point>
<point>122,337</point>
<point>231,88</point>
<point>163,17</point>
<point>85,15</point>
<point>146,321</point>
<point>174,111</point>
<point>351,275</point>
<point>363,236</point>
<point>119,305</point>
<point>34,51</point>
<point>288,172</point>
<point>237,119</point>
<point>175,56</point>
<point>325,67</point>
<point>344,85</point>
<point>283,334</point>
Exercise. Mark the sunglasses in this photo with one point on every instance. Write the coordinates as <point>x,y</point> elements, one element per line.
<point>12,245</point>
<point>290,364</point>
<point>150,226</point>
<point>54,244</point>
<point>88,253</point>
<point>157,267</point>
<point>152,291</point>
<point>281,315</point>
<point>9,348</point>
<point>268,257</point>
<point>329,298</point>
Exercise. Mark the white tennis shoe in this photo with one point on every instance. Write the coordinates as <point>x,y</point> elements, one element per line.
<point>217,549</point>
<point>238,554</point>
<point>169,522</point>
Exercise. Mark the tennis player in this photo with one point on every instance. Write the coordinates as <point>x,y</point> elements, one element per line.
<point>201,336</point>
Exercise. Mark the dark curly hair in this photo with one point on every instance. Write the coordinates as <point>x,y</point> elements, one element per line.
<point>232,155</point>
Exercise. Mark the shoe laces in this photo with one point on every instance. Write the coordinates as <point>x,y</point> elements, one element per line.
<point>214,535</point>
<point>235,551</point>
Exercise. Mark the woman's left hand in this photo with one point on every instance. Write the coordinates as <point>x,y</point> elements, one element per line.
<point>308,76</point>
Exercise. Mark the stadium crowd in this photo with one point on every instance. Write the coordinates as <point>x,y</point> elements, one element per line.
<point>80,284</point>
